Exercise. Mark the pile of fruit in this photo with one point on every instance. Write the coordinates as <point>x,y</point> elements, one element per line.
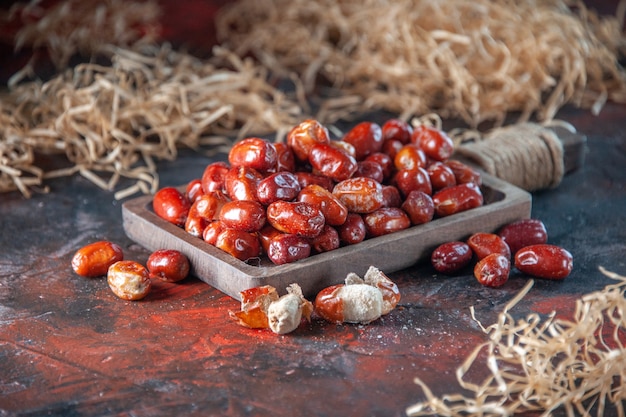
<point>128,279</point>
<point>311,194</point>
<point>524,241</point>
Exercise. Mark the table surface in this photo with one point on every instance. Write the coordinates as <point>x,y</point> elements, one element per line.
<point>68,346</point>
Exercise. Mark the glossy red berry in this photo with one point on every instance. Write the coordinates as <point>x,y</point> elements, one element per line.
<point>544,261</point>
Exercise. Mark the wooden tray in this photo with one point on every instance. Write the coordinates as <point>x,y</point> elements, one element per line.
<point>504,203</point>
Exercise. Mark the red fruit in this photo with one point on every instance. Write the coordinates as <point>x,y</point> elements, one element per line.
<point>203,211</point>
<point>456,199</point>
<point>391,147</point>
<point>483,244</point>
<point>464,173</point>
<point>256,153</point>
<point>441,176</point>
<point>279,186</point>
<point>242,245</point>
<point>493,270</point>
<point>241,183</point>
<point>307,178</point>
<point>434,142</point>
<point>386,220</point>
<point>544,261</point>
<point>366,137</point>
<point>168,264</point>
<point>419,206</point>
<point>396,129</point>
<point>171,205</point>
<point>409,157</point>
<point>326,241</point>
<point>285,161</point>
<point>523,233</point>
<point>353,230</point>
<point>408,180</point>
<point>334,211</point>
<point>450,257</point>
<point>385,161</point>
<point>213,176</point>
<point>360,194</point>
<point>370,169</point>
<point>303,136</point>
<point>328,305</point>
<point>94,260</point>
<point>129,280</point>
<point>332,162</point>
<point>391,196</point>
<point>287,248</point>
<point>298,218</point>
<point>244,215</point>
<point>212,231</point>
<point>194,190</point>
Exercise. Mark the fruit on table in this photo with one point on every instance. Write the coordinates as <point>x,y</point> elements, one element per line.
<point>451,257</point>
<point>523,233</point>
<point>369,182</point>
<point>168,265</point>
<point>94,259</point>
<point>358,300</point>
<point>484,244</point>
<point>544,261</point>
<point>129,280</point>
<point>493,270</point>
<point>262,308</point>
<point>285,314</point>
<point>539,260</point>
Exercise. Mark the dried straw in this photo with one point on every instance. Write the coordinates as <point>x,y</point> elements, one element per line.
<point>114,121</point>
<point>64,29</point>
<point>544,365</point>
<point>476,60</point>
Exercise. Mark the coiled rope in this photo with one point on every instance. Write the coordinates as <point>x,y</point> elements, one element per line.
<point>527,155</point>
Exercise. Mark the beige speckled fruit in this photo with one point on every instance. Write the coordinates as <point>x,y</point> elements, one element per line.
<point>129,280</point>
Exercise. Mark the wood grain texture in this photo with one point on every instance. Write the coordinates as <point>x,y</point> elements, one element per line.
<point>504,203</point>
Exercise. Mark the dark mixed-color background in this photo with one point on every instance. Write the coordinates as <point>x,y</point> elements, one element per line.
<point>69,347</point>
